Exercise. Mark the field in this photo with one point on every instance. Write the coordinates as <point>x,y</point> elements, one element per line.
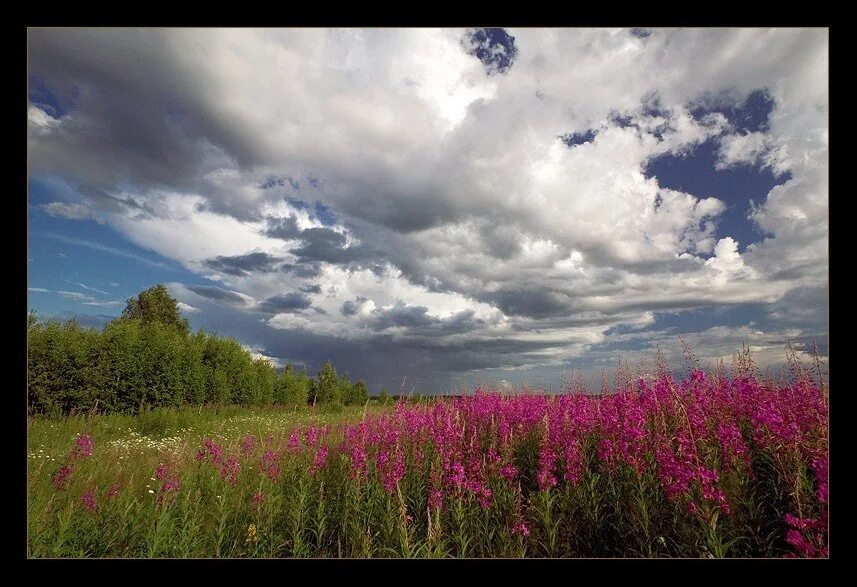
<point>707,466</point>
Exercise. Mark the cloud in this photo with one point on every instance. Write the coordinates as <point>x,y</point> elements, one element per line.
<point>88,300</point>
<point>72,211</point>
<point>86,287</point>
<point>240,265</point>
<point>215,293</point>
<point>186,308</point>
<point>445,200</point>
<point>106,249</point>
<point>288,302</point>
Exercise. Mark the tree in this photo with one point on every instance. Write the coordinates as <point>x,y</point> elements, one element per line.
<point>383,397</point>
<point>326,388</point>
<point>359,393</point>
<point>155,305</point>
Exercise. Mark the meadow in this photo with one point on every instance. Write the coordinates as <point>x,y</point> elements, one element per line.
<point>710,465</point>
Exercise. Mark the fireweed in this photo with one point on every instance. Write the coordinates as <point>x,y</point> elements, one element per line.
<point>661,468</point>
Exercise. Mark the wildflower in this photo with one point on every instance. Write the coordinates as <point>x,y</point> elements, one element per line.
<point>521,528</point>
<point>151,491</point>
<point>247,445</point>
<point>82,447</point>
<point>61,477</point>
<point>251,533</point>
<point>294,440</point>
<point>320,459</point>
<point>114,490</point>
<point>270,464</point>
<point>89,501</point>
<point>435,499</point>
<point>258,499</point>
<point>509,472</point>
<point>229,470</point>
<point>162,472</point>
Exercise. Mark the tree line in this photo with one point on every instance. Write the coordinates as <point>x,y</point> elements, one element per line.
<point>148,357</point>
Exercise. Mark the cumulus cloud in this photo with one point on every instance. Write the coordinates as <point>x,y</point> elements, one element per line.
<point>447,200</point>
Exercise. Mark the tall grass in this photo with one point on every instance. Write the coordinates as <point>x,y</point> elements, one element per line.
<point>703,467</point>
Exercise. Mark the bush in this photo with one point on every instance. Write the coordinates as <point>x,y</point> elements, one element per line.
<point>148,358</point>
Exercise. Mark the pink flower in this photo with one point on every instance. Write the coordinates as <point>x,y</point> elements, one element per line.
<point>435,499</point>
<point>89,501</point>
<point>247,445</point>
<point>82,447</point>
<point>230,469</point>
<point>61,477</point>
<point>162,471</point>
<point>114,490</point>
<point>258,499</point>
<point>509,471</point>
<point>320,459</point>
<point>294,440</point>
<point>168,491</point>
<point>270,464</point>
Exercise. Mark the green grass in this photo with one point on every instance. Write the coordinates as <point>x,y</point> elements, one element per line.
<point>210,518</point>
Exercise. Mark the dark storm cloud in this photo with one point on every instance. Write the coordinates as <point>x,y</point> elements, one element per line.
<point>241,265</point>
<point>302,270</point>
<point>803,306</point>
<point>134,114</point>
<point>534,302</point>
<point>213,292</point>
<point>287,302</point>
<point>284,228</point>
<point>316,289</point>
<point>418,321</point>
<point>351,307</point>
<point>321,244</point>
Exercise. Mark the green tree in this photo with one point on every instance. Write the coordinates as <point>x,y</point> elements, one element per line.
<point>326,388</point>
<point>383,397</point>
<point>155,305</point>
<point>359,393</point>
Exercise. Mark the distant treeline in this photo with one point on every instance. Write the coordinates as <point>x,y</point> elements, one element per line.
<point>149,358</point>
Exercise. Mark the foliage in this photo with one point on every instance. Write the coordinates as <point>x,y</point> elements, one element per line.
<point>149,358</point>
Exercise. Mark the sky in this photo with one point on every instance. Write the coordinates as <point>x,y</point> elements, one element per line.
<point>432,208</point>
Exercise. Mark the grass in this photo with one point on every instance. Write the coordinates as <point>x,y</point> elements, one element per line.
<point>647,472</point>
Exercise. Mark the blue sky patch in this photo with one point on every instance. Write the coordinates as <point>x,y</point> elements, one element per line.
<point>695,173</point>
<point>494,47</point>
<point>578,138</point>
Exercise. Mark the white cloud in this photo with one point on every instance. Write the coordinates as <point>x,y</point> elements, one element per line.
<point>454,183</point>
<point>72,211</point>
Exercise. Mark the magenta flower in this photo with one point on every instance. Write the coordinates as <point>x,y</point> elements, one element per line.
<point>89,501</point>
<point>82,447</point>
<point>162,471</point>
<point>320,460</point>
<point>229,470</point>
<point>169,490</point>
<point>61,477</point>
<point>270,464</point>
<point>247,445</point>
